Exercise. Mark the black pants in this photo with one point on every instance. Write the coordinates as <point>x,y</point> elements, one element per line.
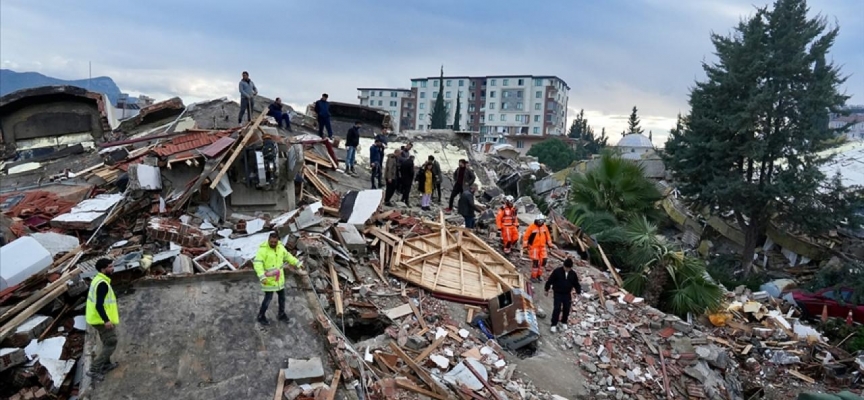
<point>391,189</point>
<point>376,174</point>
<point>457,190</point>
<point>406,191</point>
<point>268,296</point>
<point>561,305</point>
<point>246,106</point>
<point>437,188</point>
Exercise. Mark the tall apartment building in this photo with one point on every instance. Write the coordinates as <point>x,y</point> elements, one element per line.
<point>400,103</point>
<point>494,106</point>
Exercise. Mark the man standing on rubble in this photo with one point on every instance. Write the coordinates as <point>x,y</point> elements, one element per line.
<point>270,262</point>
<point>248,91</point>
<point>406,172</point>
<point>352,140</point>
<point>101,313</point>
<point>391,175</point>
<point>563,281</point>
<point>376,159</point>
<point>508,224</point>
<point>463,178</point>
<point>322,110</point>
<point>275,111</point>
<point>536,239</point>
<point>436,170</point>
<point>467,206</point>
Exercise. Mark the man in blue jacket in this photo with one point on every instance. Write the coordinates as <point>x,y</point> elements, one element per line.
<point>352,140</point>
<point>248,91</point>
<point>275,111</point>
<point>376,158</point>
<point>322,109</point>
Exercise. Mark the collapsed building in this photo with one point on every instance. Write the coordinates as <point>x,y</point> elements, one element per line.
<point>394,302</point>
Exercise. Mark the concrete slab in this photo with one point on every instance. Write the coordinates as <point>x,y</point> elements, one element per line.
<point>304,370</point>
<point>181,338</point>
<point>28,331</point>
<point>56,243</point>
<point>354,241</point>
<point>10,357</point>
<point>21,259</point>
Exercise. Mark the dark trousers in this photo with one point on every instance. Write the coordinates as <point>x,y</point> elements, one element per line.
<point>268,296</point>
<point>561,308</point>
<point>376,174</point>
<point>457,190</point>
<point>322,123</point>
<point>437,188</point>
<point>108,337</point>
<point>246,106</point>
<point>282,117</point>
<point>406,190</point>
<point>391,189</point>
<point>470,222</point>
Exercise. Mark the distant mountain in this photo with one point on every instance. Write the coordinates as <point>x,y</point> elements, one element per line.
<point>11,81</point>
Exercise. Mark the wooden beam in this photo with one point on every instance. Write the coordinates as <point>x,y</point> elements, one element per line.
<point>12,325</point>
<point>407,385</point>
<point>334,385</point>
<point>421,373</point>
<point>492,391</point>
<point>417,314</point>
<point>429,349</point>
<point>497,278</point>
<point>609,266</point>
<point>39,295</point>
<point>337,292</point>
<point>280,385</point>
<point>237,150</point>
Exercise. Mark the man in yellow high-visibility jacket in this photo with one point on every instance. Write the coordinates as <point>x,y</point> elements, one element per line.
<point>101,313</point>
<point>269,263</point>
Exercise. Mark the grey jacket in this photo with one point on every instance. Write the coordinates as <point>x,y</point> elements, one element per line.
<point>248,89</point>
<point>466,206</point>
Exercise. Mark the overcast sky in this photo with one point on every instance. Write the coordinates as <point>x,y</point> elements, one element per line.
<point>614,54</point>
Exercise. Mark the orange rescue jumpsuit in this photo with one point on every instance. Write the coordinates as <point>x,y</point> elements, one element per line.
<point>509,226</point>
<point>536,239</point>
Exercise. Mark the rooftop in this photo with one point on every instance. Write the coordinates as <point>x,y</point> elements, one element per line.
<point>496,76</point>
<point>635,140</point>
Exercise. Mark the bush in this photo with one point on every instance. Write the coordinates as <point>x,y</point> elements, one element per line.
<point>726,270</point>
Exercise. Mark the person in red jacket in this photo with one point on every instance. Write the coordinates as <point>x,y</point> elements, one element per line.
<point>508,224</point>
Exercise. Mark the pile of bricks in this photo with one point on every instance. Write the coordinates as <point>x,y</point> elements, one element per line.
<point>171,230</point>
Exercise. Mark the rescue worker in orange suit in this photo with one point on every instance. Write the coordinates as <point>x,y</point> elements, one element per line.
<point>508,224</point>
<point>537,239</point>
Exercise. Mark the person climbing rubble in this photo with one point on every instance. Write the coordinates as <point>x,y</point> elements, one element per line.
<point>508,224</point>
<point>269,264</point>
<point>563,281</point>
<point>537,239</point>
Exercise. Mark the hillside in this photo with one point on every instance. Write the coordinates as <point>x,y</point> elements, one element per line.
<point>11,81</point>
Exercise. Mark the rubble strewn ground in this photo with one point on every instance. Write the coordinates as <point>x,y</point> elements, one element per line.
<point>183,237</point>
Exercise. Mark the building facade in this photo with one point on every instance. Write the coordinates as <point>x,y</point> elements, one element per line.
<point>498,106</point>
<point>400,103</point>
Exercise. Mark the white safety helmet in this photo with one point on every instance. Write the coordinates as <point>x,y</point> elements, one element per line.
<point>540,217</point>
<point>508,199</point>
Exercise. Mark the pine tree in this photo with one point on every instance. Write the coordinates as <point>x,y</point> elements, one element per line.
<point>438,116</point>
<point>576,128</point>
<point>633,123</point>
<point>651,136</point>
<point>458,115</point>
<point>757,124</point>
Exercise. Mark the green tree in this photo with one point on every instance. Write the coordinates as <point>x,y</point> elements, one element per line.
<point>458,115</point>
<point>584,133</point>
<point>555,153</point>
<point>757,124</point>
<point>633,123</point>
<point>438,116</point>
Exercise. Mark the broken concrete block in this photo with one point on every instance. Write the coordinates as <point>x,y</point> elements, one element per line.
<point>144,177</point>
<point>21,259</point>
<point>416,342</point>
<point>29,330</point>
<point>53,372</point>
<point>305,371</point>
<point>182,265</point>
<point>292,392</point>
<point>171,230</point>
<point>354,241</point>
<point>56,243</point>
<point>10,357</point>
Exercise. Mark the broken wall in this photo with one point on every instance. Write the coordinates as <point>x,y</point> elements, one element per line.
<point>50,111</point>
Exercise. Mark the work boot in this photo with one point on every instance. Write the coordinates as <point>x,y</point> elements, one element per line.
<point>110,367</point>
<point>96,376</point>
<point>263,320</point>
<point>284,317</point>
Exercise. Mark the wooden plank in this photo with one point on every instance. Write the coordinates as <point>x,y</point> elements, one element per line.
<point>801,376</point>
<point>429,349</point>
<point>334,385</point>
<point>485,383</point>
<point>237,151</point>
<point>337,292</point>
<point>417,314</point>
<point>612,270</point>
<point>38,295</point>
<point>421,373</point>
<point>399,312</point>
<point>407,385</point>
<point>280,385</point>
<point>13,324</point>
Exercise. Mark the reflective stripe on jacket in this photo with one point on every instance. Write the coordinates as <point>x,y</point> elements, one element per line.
<point>90,314</point>
<point>536,236</point>
<point>506,217</point>
<point>269,259</point>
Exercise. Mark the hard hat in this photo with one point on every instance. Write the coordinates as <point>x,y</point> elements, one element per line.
<point>508,199</point>
<point>540,217</point>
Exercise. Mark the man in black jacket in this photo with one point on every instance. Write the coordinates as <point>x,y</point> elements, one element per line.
<point>563,281</point>
<point>352,140</point>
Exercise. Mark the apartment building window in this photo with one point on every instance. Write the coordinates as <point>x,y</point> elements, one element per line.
<point>472,96</point>
<point>422,95</point>
<point>394,94</point>
<point>519,94</point>
<point>471,108</point>
<point>536,130</point>
<point>537,106</point>
<point>520,82</point>
<point>520,144</point>
<point>519,106</point>
<point>435,94</point>
<point>538,82</point>
<point>420,127</point>
<point>505,93</point>
<point>473,85</point>
<point>447,95</point>
<point>447,105</point>
<point>538,94</point>
<point>505,82</point>
<point>422,84</point>
<point>491,106</point>
<point>503,117</point>
<point>470,119</point>
<point>548,117</point>
<point>461,82</point>
<point>422,106</point>
<point>435,83</point>
<point>420,117</point>
<point>392,104</point>
<point>380,103</point>
<point>536,118</point>
<point>372,93</point>
<point>492,94</point>
<point>492,82</point>
<point>505,106</point>
<point>491,117</point>
<point>518,118</point>
<point>380,93</point>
